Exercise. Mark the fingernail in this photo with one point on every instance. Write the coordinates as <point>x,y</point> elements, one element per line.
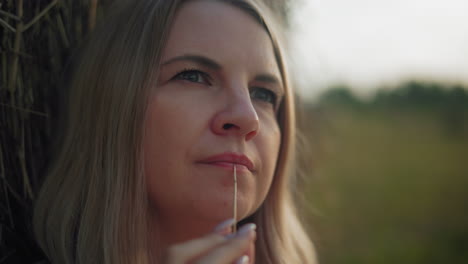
<point>243,260</point>
<point>224,225</point>
<point>246,230</point>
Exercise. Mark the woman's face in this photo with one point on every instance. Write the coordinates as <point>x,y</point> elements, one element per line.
<point>214,106</point>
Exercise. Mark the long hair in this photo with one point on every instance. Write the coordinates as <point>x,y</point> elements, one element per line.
<point>93,207</point>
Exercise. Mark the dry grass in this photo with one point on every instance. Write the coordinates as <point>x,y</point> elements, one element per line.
<point>38,38</point>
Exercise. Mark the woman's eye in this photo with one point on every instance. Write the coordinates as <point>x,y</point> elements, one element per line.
<point>263,95</point>
<point>193,76</point>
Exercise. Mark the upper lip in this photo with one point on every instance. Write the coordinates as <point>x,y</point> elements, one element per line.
<point>231,157</point>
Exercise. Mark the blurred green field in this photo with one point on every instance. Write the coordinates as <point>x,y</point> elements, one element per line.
<point>388,186</point>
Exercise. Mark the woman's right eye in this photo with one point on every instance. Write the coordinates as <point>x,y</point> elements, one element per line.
<point>195,76</point>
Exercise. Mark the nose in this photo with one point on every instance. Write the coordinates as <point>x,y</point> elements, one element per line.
<point>237,118</point>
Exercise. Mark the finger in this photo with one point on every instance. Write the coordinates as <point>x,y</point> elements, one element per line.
<point>224,228</point>
<point>251,252</point>
<point>233,248</point>
<point>193,248</point>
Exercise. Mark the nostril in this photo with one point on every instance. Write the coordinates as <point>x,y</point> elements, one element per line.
<point>227,126</point>
<point>250,135</point>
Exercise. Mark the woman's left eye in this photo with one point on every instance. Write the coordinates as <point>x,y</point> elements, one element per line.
<point>195,76</point>
<point>263,94</point>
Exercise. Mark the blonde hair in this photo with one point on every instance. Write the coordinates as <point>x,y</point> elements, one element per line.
<point>92,207</point>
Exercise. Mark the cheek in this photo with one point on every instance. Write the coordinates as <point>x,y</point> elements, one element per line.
<point>156,138</point>
<point>269,145</point>
<point>153,160</point>
<point>165,125</point>
<point>172,128</point>
<point>270,149</point>
<point>160,148</point>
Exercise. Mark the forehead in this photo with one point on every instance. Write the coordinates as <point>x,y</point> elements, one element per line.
<point>222,32</point>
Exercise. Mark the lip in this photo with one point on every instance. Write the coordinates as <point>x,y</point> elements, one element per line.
<point>227,159</point>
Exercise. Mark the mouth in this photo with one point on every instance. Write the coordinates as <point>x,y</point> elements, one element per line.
<point>228,160</point>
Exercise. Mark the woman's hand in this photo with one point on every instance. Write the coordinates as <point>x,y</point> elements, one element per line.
<point>218,247</point>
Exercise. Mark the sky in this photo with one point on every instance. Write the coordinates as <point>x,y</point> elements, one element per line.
<point>373,43</point>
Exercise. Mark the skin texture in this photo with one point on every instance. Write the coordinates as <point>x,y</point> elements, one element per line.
<point>210,110</point>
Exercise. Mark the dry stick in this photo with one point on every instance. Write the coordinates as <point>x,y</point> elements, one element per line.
<point>5,191</point>
<point>16,47</point>
<point>25,110</point>
<point>62,31</point>
<point>2,166</point>
<point>12,87</point>
<point>9,15</point>
<point>6,25</point>
<point>22,158</point>
<point>3,83</point>
<point>92,15</point>
<point>15,195</point>
<point>21,54</point>
<point>235,201</point>
<point>40,15</point>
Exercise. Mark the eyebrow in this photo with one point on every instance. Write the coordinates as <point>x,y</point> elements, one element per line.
<point>207,62</point>
<point>267,78</point>
<point>195,58</point>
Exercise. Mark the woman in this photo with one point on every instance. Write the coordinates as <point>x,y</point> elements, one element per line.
<point>168,98</point>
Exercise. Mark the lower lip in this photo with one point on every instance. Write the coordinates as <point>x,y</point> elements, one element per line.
<point>228,166</point>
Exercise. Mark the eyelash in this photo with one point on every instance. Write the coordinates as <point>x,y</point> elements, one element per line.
<point>272,97</point>
<point>193,71</point>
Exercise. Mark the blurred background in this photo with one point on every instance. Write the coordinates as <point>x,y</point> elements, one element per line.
<point>384,99</point>
<point>386,114</point>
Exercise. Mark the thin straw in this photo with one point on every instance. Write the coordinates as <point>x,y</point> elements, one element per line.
<point>235,200</point>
